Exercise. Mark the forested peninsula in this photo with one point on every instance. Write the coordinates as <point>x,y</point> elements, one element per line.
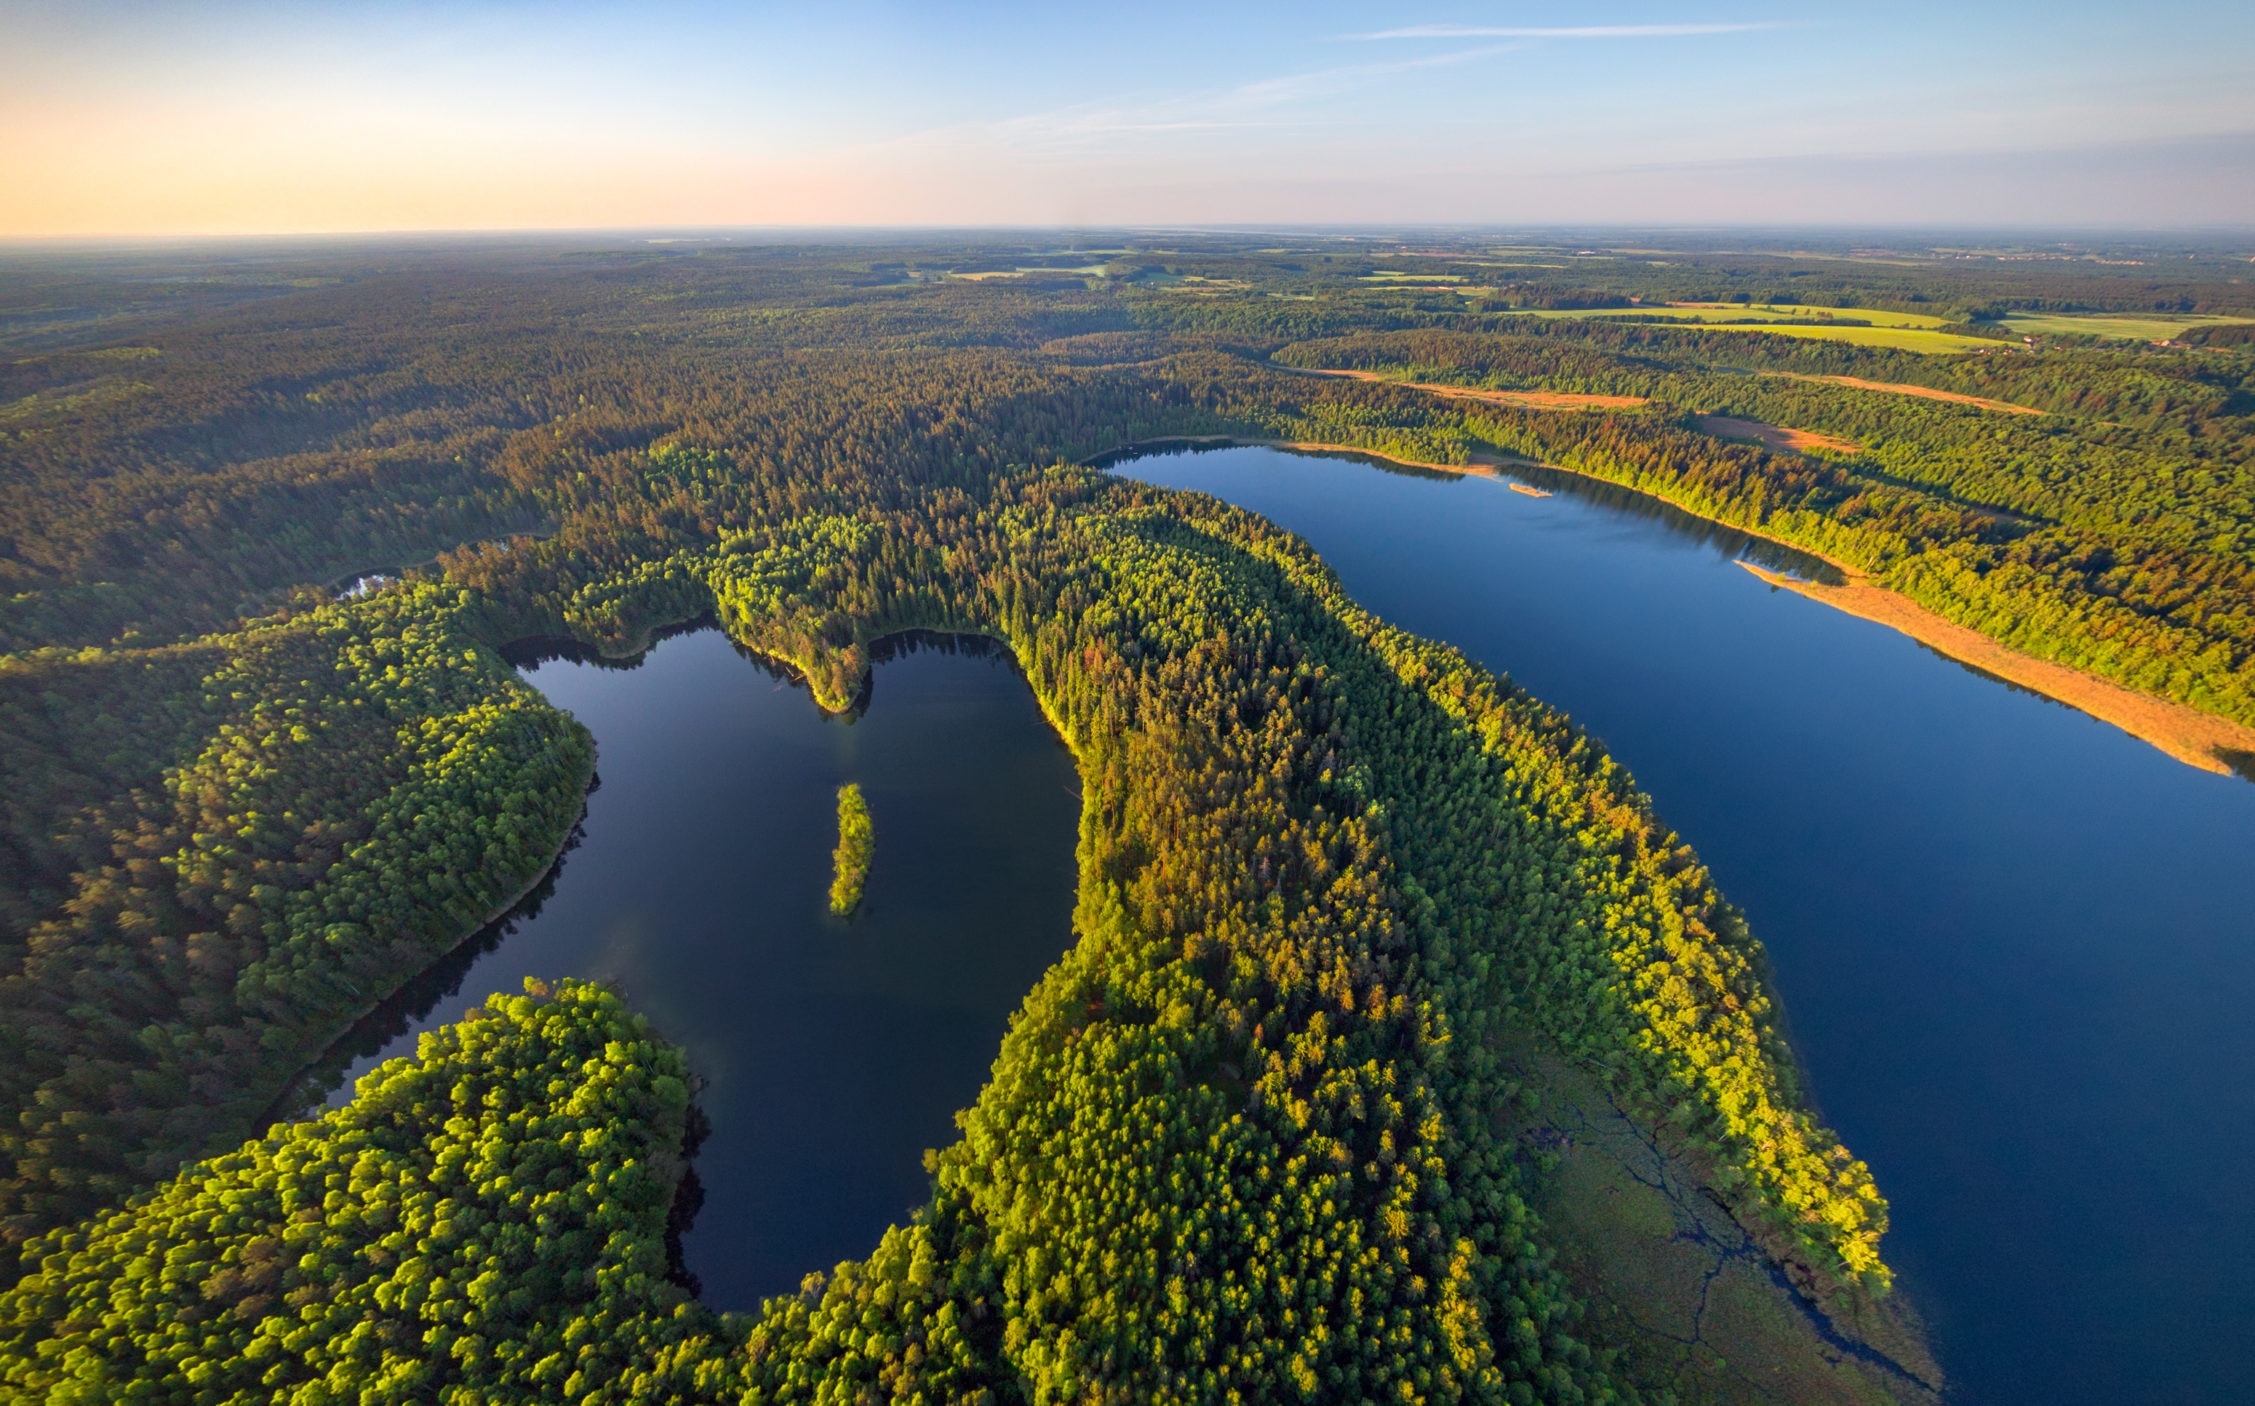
<point>1360,923</point>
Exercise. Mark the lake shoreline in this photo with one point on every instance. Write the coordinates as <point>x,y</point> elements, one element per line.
<point>2184,733</point>
<point>295,1100</point>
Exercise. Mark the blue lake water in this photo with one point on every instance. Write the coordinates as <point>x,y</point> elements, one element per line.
<point>832,1052</point>
<point>2016,946</point>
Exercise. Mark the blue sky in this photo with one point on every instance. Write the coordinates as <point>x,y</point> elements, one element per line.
<point>259,115</point>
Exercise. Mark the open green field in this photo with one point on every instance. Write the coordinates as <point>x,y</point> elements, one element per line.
<point>1910,339</point>
<point>2157,327</point>
<point>1418,278</point>
<point>1085,270</point>
<point>1899,331</point>
<point>1896,331</point>
<point>1728,313</point>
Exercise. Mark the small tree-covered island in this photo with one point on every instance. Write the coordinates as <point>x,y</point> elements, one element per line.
<point>857,845</point>
<point>1398,1050</point>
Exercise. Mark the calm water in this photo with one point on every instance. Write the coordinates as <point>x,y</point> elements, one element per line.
<point>833,1053</point>
<point>2016,945</point>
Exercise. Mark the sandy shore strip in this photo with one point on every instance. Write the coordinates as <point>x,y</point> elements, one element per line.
<point>2185,733</point>
<point>2191,736</point>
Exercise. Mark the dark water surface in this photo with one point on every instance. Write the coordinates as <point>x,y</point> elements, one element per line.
<point>834,1052</point>
<point>2017,946</point>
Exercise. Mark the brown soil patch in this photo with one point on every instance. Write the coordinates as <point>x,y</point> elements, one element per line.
<point>2191,736</point>
<point>1524,400</point>
<point>1775,436</point>
<point>1924,393</point>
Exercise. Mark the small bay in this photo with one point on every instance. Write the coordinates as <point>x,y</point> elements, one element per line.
<point>832,1052</point>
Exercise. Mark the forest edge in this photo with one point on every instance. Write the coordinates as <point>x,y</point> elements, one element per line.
<point>2208,741</point>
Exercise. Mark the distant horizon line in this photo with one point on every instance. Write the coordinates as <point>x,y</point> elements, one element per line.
<point>691,233</point>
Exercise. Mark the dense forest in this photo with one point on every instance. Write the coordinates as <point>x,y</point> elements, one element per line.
<point>1251,1138</point>
<point>857,846</point>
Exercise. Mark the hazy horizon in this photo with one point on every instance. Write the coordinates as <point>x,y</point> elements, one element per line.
<point>1752,238</point>
<point>258,117</point>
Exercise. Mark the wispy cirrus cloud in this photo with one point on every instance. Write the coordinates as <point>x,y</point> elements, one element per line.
<point>1562,31</point>
<point>1274,103</point>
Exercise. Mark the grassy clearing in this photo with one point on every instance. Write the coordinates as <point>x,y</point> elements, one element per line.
<point>1901,331</point>
<point>1084,271</point>
<point>36,406</point>
<point>1910,339</point>
<point>1676,1283</point>
<point>2155,327</point>
<point>1741,313</point>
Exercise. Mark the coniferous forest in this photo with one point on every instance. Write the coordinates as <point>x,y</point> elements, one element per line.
<point>1350,905</point>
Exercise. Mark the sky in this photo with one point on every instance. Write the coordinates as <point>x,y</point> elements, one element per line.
<point>152,117</point>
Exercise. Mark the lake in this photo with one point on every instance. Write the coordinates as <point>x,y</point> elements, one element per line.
<point>833,1052</point>
<point>2017,946</point>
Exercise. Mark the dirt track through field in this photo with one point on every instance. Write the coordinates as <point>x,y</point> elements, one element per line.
<point>1524,400</point>
<point>1922,392</point>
